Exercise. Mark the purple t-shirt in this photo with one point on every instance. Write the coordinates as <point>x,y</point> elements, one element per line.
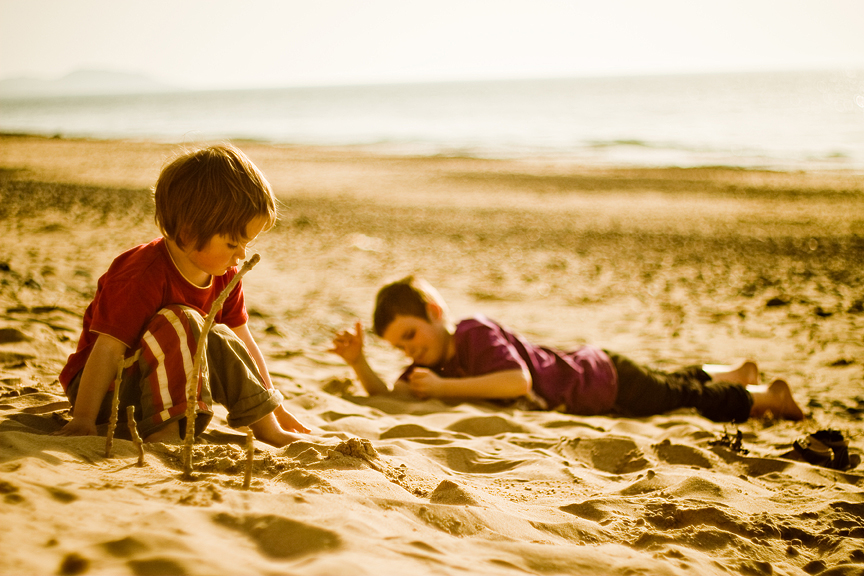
<point>579,382</point>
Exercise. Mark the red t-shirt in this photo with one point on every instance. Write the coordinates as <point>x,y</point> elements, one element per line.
<point>138,284</point>
<point>582,381</point>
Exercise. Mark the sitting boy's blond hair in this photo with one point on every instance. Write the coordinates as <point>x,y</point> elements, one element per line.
<point>406,297</point>
<point>210,191</point>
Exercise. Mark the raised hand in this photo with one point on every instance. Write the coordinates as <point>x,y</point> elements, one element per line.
<point>349,345</point>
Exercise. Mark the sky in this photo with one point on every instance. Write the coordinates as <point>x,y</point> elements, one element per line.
<point>226,44</point>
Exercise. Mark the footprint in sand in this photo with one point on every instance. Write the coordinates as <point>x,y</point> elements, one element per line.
<point>461,459</point>
<point>594,510</point>
<point>486,426</point>
<point>153,566</point>
<point>125,547</point>
<point>279,537</point>
<point>12,335</point>
<point>681,454</point>
<point>613,455</point>
<point>408,431</point>
<point>73,563</point>
<point>10,493</point>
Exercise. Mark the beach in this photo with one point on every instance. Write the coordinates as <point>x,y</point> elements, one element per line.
<point>669,266</point>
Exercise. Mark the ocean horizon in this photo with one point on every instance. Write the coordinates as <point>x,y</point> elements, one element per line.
<point>783,120</point>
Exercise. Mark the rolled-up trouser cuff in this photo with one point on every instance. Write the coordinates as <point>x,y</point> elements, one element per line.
<point>250,409</point>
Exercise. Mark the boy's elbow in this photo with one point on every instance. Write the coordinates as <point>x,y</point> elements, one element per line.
<point>523,383</point>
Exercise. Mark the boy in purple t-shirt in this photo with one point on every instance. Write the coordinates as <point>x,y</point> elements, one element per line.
<point>480,359</point>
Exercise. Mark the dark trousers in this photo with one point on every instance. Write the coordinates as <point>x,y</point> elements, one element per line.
<point>643,391</point>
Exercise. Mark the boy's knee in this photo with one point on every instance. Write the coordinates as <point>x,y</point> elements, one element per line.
<point>180,319</point>
<point>181,311</point>
<point>172,328</point>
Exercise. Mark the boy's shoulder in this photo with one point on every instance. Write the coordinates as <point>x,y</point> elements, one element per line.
<point>151,249</point>
<point>141,259</point>
<point>477,327</point>
<point>477,322</point>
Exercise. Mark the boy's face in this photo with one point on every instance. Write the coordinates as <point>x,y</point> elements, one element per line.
<point>424,341</point>
<point>222,252</point>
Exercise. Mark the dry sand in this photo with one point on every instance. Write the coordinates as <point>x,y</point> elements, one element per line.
<point>668,266</point>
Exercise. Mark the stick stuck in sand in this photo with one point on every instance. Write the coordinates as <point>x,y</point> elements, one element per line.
<point>133,431</point>
<point>115,406</point>
<point>192,385</point>
<point>250,458</point>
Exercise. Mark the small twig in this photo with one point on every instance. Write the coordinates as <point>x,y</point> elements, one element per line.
<point>115,406</point>
<point>735,444</point>
<point>192,384</point>
<point>133,431</point>
<point>250,458</point>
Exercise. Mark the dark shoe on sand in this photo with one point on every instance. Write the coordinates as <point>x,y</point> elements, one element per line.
<point>813,451</point>
<point>826,448</point>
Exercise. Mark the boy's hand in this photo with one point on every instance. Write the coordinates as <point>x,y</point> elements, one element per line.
<point>424,383</point>
<point>349,345</point>
<point>77,427</point>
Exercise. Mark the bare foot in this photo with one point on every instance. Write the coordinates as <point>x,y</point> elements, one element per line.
<point>775,398</point>
<point>269,430</point>
<point>746,373</point>
<point>170,434</point>
<point>288,422</point>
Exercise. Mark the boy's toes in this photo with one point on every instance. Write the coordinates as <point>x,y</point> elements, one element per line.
<point>750,372</point>
<point>784,403</point>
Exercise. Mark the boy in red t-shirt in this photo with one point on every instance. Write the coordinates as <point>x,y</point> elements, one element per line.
<point>149,307</point>
<point>479,358</point>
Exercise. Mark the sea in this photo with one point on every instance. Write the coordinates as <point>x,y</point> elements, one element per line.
<point>782,120</point>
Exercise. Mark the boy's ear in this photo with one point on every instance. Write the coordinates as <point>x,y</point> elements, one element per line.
<point>434,311</point>
<point>180,238</point>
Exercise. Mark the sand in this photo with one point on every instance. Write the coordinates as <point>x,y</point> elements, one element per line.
<point>668,266</point>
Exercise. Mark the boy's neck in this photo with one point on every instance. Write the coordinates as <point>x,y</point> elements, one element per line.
<point>451,346</point>
<point>189,271</point>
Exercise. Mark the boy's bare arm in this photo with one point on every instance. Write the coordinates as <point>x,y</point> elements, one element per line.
<point>349,346</point>
<point>504,384</point>
<point>373,383</point>
<point>283,418</point>
<point>99,372</point>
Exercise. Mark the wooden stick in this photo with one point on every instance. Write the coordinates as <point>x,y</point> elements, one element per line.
<point>250,458</point>
<point>133,431</point>
<point>115,406</point>
<point>192,384</point>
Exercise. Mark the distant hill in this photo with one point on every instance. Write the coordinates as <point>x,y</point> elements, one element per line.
<point>82,82</point>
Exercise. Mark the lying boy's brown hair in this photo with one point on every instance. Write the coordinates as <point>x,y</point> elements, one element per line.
<point>406,297</point>
<point>216,190</point>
